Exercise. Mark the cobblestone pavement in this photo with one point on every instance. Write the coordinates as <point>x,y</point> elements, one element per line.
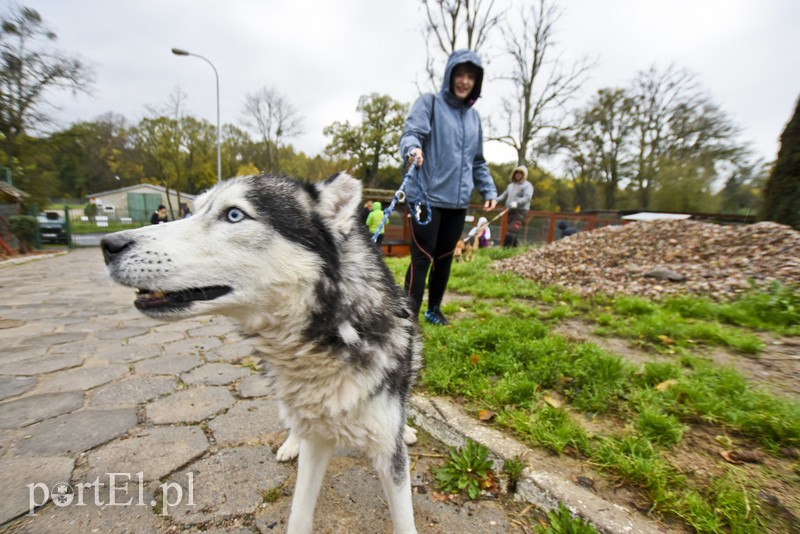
<point>133,425</point>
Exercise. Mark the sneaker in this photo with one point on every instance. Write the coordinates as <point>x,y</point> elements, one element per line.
<point>434,316</point>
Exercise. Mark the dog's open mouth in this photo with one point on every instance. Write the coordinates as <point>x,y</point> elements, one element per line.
<point>173,300</point>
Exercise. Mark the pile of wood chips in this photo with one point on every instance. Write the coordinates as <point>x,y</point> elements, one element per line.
<point>666,257</point>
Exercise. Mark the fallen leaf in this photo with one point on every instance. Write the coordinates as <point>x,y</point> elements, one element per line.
<point>439,497</point>
<point>666,384</point>
<point>555,403</point>
<point>665,339</point>
<point>486,415</point>
<point>727,456</point>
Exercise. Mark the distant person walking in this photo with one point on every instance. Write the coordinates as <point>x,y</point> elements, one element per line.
<point>443,137</point>
<point>517,197</point>
<point>185,211</point>
<point>481,233</point>
<point>159,216</point>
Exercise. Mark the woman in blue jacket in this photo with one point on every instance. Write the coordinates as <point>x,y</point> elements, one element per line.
<point>443,137</point>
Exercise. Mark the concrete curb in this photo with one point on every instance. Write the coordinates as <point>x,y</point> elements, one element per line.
<point>545,489</point>
<point>19,260</point>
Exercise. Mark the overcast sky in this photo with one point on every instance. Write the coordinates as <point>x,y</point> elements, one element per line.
<point>324,54</point>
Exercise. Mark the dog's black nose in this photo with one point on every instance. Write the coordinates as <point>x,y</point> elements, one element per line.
<point>114,244</point>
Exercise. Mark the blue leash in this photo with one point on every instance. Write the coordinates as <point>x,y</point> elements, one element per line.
<point>415,206</point>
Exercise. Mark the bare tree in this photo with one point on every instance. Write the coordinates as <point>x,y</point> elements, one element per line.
<point>541,87</point>
<point>454,24</point>
<point>274,118</point>
<point>29,68</point>
<point>676,121</point>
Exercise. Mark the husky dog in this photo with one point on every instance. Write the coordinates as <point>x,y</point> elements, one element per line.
<point>292,264</point>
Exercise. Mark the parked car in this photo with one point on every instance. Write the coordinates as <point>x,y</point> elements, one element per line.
<point>52,227</point>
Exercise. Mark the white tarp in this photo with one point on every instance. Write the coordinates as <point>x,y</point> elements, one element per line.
<point>648,216</point>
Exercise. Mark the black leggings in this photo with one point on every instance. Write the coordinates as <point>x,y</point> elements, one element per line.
<point>434,244</point>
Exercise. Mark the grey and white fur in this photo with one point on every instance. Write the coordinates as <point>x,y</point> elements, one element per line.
<point>290,262</point>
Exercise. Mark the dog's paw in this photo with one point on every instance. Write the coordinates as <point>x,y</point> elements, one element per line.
<point>289,450</point>
<point>410,435</point>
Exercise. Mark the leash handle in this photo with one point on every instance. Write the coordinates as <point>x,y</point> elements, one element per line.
<point>400,196</point>
<point>417,205</point>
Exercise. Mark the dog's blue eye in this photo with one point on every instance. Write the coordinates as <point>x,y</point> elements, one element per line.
<point>235,215</point>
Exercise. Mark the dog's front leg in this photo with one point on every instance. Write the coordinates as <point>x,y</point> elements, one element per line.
<point>396,482</point>
<point>312,463</point>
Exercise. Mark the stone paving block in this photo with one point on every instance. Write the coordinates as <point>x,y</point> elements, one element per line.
<point>234,528</point>
<point>193,345</point>
<point>128,353</point>
<point>254,386</point>
<point>247,422</point>
<point>231,352</point>
<point>83,348</point>
<point>82,378</point>
<point>10,323</point>
<point>42,364</point>
<point>76,432</point>
<point>215,329</point>
<point>57,338</point>
<point>11,386</point>
<point>121,333</point>
<point>171,364</point>
<point>227,484</point>
<point>215,374</point>
<point>190,405</point>
<point>132,391</point>
<point>156,338</point>
<point>132,514</point>
<point>25,311</point>
<point>19,472</point>
<point>155,452</point>
<point>178,326</point>
<point>8,438</point>
<point>132,317</point>
<point>29,410</point>
<point>21,335</point>
<point>24,352</point>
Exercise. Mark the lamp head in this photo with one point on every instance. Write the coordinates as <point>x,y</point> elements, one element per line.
<point>179,52</point>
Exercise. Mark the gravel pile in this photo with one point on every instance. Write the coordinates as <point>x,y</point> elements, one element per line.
<point>666,257</point>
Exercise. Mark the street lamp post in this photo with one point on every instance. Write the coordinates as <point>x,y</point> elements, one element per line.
<point>179,52</point>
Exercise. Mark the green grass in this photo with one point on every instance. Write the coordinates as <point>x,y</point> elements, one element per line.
<point>501,354</point>
<point>81,227</point>
<point>560,521</point>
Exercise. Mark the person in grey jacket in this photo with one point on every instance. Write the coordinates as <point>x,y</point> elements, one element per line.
<point>518,197</point>
<point>443,138</point>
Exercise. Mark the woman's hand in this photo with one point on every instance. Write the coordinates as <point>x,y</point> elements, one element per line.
<point>489,205</point>
<point>415,157</point>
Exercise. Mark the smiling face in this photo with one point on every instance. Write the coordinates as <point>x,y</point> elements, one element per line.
<point>464,77</point>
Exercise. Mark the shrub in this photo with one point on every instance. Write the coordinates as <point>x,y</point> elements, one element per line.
<point>467,468</point>
<point>24,228</point>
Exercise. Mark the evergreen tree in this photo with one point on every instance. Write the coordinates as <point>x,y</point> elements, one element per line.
<point>782,192</point>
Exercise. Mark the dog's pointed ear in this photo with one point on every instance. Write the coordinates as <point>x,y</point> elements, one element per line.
<point>339,196</point>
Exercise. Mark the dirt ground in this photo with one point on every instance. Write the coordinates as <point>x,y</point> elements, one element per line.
<point>707,450</point>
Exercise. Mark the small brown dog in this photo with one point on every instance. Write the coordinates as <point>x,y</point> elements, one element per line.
<point>470,246</point>
<point>459,250</point>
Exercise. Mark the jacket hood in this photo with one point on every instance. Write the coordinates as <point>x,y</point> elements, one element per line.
<point>523,169</point>
<point>376,206</point>
<point>457,58</point>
